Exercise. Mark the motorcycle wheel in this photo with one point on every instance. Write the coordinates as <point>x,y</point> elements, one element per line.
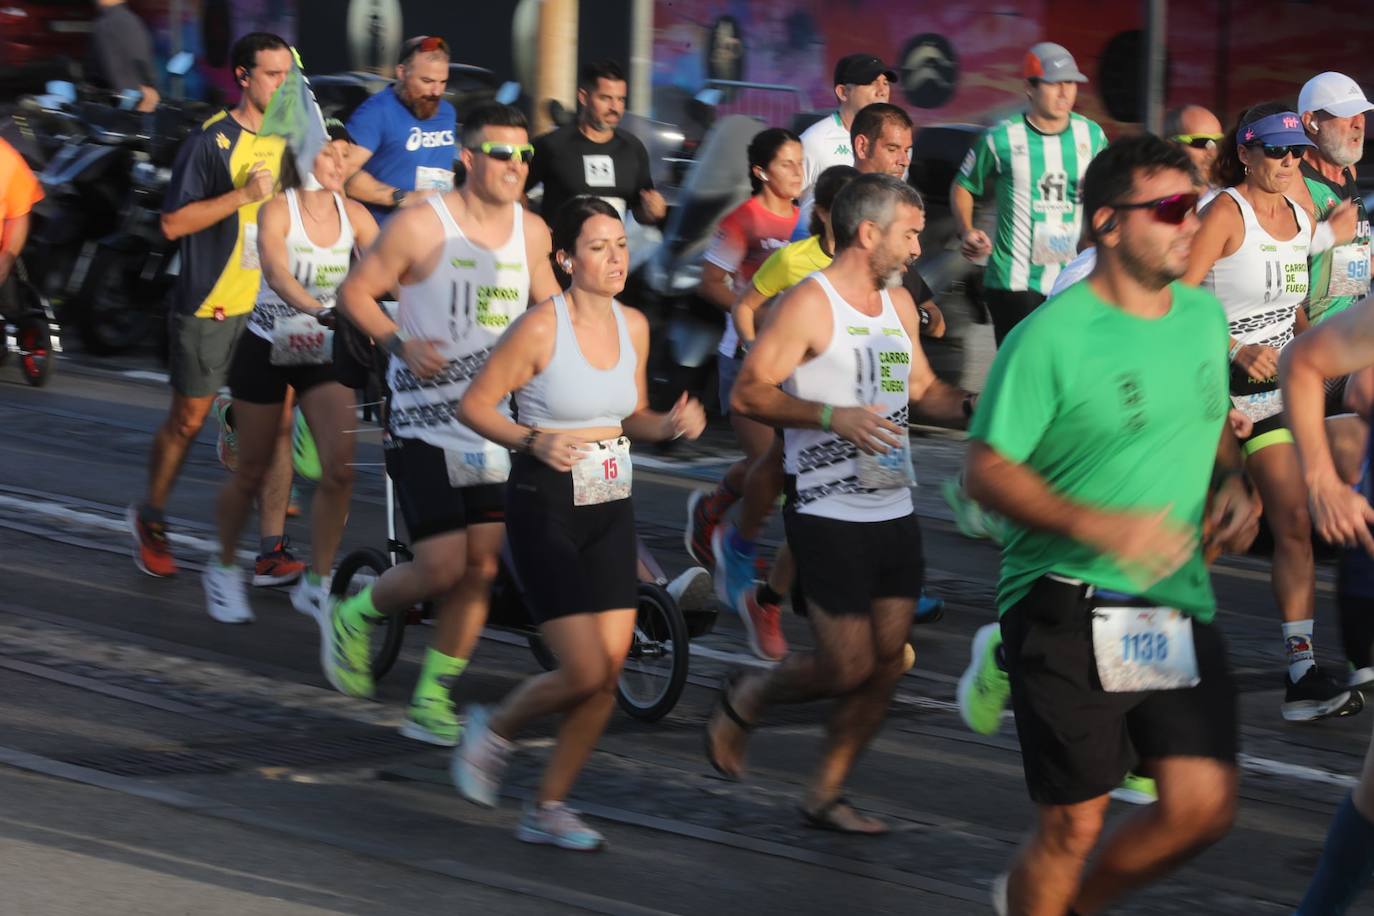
<point>111,316</point>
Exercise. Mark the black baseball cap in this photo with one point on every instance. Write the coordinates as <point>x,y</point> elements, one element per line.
<point>862,69</point>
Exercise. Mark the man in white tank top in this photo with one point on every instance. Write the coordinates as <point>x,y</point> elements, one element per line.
<point>835,369</point>
<point>466,264</point>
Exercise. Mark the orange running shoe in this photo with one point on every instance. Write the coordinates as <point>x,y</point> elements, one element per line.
<point>152,552</point>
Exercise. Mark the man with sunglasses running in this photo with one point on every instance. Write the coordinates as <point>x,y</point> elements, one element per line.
<point>405,133</point>
<point>1332,107</point>
<point>1101,435</point>
<point>466,264</point>
<point>593,156</point>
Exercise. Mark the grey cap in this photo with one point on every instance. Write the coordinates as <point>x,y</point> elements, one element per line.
<point>1052,63</point>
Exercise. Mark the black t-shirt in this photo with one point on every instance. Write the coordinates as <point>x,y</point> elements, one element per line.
<point>122,49</point>
<point>567,164</point>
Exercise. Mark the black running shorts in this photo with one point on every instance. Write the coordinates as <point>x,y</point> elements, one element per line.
<point>1077,740</point>
<point>843,567</point>
<point>430,504</point>
<point>569,559</point>
<point>254,379</point>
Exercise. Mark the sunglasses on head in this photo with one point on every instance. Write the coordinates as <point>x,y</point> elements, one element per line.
<point>426,44</point>
<point>1280,152</point>
<point>1197,141</point>
<point>504,152</point>
<point>1172,210</point>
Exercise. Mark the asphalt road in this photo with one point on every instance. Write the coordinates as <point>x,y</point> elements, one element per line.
<point>153,761</point>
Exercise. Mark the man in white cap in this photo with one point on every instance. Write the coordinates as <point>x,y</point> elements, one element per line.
<point>1035,161</point>
<point>1333,109</point>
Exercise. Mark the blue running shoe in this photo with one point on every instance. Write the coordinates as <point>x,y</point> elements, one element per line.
<point>734,569</point>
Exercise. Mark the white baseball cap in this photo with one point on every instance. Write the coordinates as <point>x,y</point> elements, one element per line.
<point>1333,93</point>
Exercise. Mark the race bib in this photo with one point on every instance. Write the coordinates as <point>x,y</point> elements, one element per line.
<point>604,475</point>
<point>1259,406</point>
<point>299,340</point>
<point>248,257</point>
<point>1054,243</point>
<point>1143,648</point>
<point>491,464</point>
<point>431,179</point>
<point>891,470</point>
<point>1349,271</point>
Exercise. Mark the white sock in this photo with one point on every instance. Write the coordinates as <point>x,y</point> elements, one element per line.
<point>1297,642</point>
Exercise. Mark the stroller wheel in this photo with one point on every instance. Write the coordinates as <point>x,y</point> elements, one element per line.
<point>35,349</point>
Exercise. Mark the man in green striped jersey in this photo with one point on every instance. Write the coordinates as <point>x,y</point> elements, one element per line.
<point>1035,163</point>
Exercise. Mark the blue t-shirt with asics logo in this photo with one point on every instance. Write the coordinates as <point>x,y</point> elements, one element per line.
<point>407,153</point>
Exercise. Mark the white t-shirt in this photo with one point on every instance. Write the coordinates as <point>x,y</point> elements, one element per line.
<point>824,144</point>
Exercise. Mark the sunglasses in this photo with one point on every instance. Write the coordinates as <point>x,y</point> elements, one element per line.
<point>1197,141</point>
<point>1279,152</point>
<point>505,152</point>
<point>1172,210</point>
<point>426,44</point>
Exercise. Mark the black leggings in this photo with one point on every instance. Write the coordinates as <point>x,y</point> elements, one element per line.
<point>1008,308</point>
<point>569,559</point>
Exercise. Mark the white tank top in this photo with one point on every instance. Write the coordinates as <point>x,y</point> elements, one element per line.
<point>466,303</point>
<point>571,393</point>
<point>868,361</point>
<point>1264,281</point>
<point>319,268</point>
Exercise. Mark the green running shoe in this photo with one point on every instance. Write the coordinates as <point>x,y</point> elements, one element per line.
<point>968,515</point>
<point>984,687</point>
<point>304,457</point>
<point>433,720</point>
<point>346,650</point>
<point>1136,790</point>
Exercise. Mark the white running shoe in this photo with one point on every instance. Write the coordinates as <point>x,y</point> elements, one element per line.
<point>479,760</point>
<point>693,590</point>
<point>999,895</point>
<point>311,600</point>
<point>555,824</point>
<point>225,596</point>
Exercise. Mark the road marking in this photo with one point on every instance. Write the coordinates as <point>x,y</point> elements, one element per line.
<point>145,375</point>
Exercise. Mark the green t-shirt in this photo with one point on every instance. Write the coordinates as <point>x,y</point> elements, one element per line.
<point>1351,260</point>
<point>1037,178</point>
<point>1116,412</point>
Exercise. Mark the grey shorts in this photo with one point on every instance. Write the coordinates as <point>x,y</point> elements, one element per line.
<point>200,351</point>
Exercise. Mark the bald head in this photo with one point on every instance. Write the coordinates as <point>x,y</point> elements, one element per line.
<point>1194,120</point>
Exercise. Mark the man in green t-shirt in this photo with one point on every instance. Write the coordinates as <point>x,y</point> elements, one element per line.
<point>1033,163</point>
<point>1101,435</point>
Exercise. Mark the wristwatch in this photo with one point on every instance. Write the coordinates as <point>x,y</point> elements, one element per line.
<point>397,196</point>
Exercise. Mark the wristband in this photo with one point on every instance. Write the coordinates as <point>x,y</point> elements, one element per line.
<point>395,343</point>
<point>827,411</point>
<point>1323,237</point>
<point>1221,475</point>
<point>1234,351</point>
<point>527,444</point>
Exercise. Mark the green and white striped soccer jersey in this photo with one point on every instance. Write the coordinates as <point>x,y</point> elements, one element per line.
<point>1037,178</point>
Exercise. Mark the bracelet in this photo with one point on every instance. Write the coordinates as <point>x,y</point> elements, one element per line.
<point>395,343</point>
<point>827,411</point>
<point>969,400</point>
<point>527,444</point>
<point>1221,475</point>
<point>1234,351</point>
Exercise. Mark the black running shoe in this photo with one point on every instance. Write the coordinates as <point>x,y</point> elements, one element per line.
<point>1318,695</point>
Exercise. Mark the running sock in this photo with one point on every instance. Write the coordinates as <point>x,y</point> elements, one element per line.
<point>721,499</point>
<point>766,595</point>
<point>438,675</point>
<point>150,516</point>
<point>270,544</point>
<point>738,543</point>
<point>360,610</point>
<point>1297,641</point>
<point>313,578</point>
<point>1346,864</point>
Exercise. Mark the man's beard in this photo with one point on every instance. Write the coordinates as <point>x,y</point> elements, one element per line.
<point>1342,152</point>
<point>420,106</point>
<point>1153,277</point>
<point>886,274</point>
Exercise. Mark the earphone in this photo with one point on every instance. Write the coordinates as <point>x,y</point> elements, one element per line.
<point>567,267</point>
<point>1108,224</point>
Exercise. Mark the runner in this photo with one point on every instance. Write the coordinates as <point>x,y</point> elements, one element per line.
<point>1036,161</point>
<point>849,515</point>
<point>306,239</point>
<point>745,238</point>
<point>1341,515</point>
<point>1252,253</point>
<point>860,80</point>
<point>405,134</point>
<point>20,190</point>
<point>1333,108</point>
<point>576,366</point>
<point>594,156</point>
<point>466,264</point>
<point>221,177</point>
<point>1100,427</point>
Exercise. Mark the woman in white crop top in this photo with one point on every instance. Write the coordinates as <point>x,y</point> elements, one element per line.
<point>305,239</point>
<point>576,367</point>
<point>1252,252</point>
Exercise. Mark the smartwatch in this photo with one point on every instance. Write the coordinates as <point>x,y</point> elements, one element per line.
<point>397,196</point>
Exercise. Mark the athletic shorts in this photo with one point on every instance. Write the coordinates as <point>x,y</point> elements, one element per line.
<point>1009,308</point>
<point>843,567</point>
<point>254,379</point>
<point>430,504</point>
<point>1077,740</point>
<point>1267,432</point>
<point>569,559</point>
<point>200,352</point>
<point>727,369</point>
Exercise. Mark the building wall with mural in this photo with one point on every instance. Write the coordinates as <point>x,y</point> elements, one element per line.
<point>962,62</point>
